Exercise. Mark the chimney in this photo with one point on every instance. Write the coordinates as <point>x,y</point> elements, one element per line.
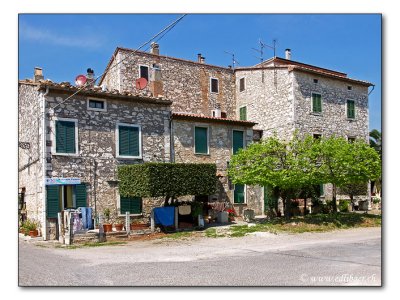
<point>90,77</point>
<point>288,54</point>
<point>202,59</point>
<point>199,57</point>
<point>38,74</point>
<point>154,48</point>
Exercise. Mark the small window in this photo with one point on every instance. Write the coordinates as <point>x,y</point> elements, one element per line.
<point>223,114</point>
<point>133,205</point>
<point>315,80</point>
<point>351,113</point>
<point>129,141</point>
<point>349,87</point>
<point>316,103</point>
<point>144,72</point>
<point>241,84</point>
<point>243,113</point>
<point>317,136</point>
<point>65,137</point>
<point>201,140</point>
<point>351,139</point>
<point>96,105</point>
<point>214,85</point>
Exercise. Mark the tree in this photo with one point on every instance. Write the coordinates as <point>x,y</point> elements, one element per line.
<point>354,189</point>
<point>344,163</point>
<point>288,165</point>
<point>375,141</point>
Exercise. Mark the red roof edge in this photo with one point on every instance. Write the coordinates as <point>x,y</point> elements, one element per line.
<point>186,116</point>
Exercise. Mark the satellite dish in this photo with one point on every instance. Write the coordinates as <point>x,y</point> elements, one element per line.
<point>80,80</point>
<point>141,83</point>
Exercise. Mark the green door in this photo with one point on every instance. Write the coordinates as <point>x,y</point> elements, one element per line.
<point>270,199</point>
<point>238,196</point>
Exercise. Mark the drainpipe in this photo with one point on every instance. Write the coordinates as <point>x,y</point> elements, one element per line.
<point>44,194</point>
<point>171,140</point>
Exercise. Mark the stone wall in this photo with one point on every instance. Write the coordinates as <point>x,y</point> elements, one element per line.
<point>334,94</point>
<point>268,98</point>
<point>30,174</point>
<point>96,164</point>
<point>187,83</point>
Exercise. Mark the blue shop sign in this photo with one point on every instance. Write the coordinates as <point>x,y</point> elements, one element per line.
<point>62,181</point>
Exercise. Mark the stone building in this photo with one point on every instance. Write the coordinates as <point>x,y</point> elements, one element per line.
<point>170,109</point>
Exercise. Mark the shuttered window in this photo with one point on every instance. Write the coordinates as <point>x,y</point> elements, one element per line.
<point>238,193</point>
<point>65,137</point>
<point>243,113</point>
<point>201,140</point>
<point>80,195</point>
<point>129,141</point>
<point>133,205</point>
<point>237,141</point>
<point>53,204</point>
<point>351,114</point>
<point>316,103</point>
<point>214,85</point>
<point>241,85</point>
<point>144,72</point>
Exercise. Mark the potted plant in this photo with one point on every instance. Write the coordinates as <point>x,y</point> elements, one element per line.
<point>30,228</point>
<point>107,226</point>
<point>137,225</point>
<point>231,214</point>
<point>119,225</point>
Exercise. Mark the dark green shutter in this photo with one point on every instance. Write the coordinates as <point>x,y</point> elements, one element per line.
<point>317,103</point>
<point>270,198</point>
<point>80,194</point>
<point>350,109</point>
<point>65,137</point>
<point>238,193</point>
<point>243,113</point>
<point>53,205</point>
<point>128,141</point>
<point>321,189</point>
<point>132,205</point>
<point>237,142</point>
<point>201,142</point>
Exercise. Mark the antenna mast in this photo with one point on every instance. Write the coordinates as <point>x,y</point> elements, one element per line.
<point>234,61</point>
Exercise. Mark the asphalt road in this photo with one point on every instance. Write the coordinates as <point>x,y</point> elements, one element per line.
<point>350,257</point>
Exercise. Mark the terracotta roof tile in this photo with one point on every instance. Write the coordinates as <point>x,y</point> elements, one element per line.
<point>187,116</point>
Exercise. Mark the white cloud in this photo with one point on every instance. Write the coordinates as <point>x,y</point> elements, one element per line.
<point>80,40</point>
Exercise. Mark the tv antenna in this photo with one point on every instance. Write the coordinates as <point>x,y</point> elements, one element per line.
<point>234,61</point>
<point>262,46</point>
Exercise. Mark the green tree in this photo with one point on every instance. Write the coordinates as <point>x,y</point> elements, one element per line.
<point>375,141</point>
<point>341,163</point>
<point>288,165</point>
<point>353,189</point>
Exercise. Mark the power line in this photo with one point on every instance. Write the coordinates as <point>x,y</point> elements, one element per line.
<point>160,35</point>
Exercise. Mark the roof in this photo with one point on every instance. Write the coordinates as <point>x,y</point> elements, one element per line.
<point>297,66</point>
<point>95,91</point>
<point>206,119</point>
<point>157,56</point>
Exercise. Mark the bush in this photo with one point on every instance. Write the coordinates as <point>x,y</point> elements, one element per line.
<point>167,179</point>
<point>28,225</point>
<point>344,205</point>
<point>376,200</point>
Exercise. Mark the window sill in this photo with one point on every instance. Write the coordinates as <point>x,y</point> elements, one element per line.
<point>129,157</point>
<point>66,154</point>
<point>351,119</point>
<point>97,109</point>
<point>242,204</point>
<point>317,114</point>
<point>202,154</point>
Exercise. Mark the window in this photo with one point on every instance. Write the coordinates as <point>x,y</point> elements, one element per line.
<point>94,104</point>
<point>144,72</point>
<point>239,194</point>
<point>201,140</point>
<point>214,85</point>
<point>349,87</point>
<point>66,136</point>
<point>241,84</point>
<point>351,114</point>
<point>223,114</point>
<point>237,141</point>
<point>315,80</point>
<point>316,103</point>
<point>129,144</point>
<point>317,136</point>
<point>351,139</point>
<point>243,113</point>
<point>133,205</point>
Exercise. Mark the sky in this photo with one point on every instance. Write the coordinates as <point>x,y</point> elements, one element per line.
<point>65,45</point>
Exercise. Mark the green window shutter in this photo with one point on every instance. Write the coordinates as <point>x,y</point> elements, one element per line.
<point>317,103</point>
<point>238,142</point>
<point>131,204</point>
<point>65,137</point>
<point>53,206</point>
<point>243,113</point>
<point>350,109</point>
<point>321,189</point>
<point>238,196</point>
<point>201,142</point>
<point>128,141</point>
<point>80,194</point>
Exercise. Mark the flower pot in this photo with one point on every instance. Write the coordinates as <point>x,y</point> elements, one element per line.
<point>118,227</point>
<point>107,227</point>
<point>33,233</point>
<point>138,226</point>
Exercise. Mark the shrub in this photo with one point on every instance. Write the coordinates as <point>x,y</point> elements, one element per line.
<point>344,205</point>
<point>376,200</point>
<point>28,225</point>
<point>167,179</point>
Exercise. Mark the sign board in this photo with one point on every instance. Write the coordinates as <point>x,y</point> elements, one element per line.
<point>61,181</point>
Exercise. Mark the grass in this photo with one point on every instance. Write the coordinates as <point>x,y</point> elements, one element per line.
<point>212,233</point>
<point>177,235</point>
<point>91,244</point>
